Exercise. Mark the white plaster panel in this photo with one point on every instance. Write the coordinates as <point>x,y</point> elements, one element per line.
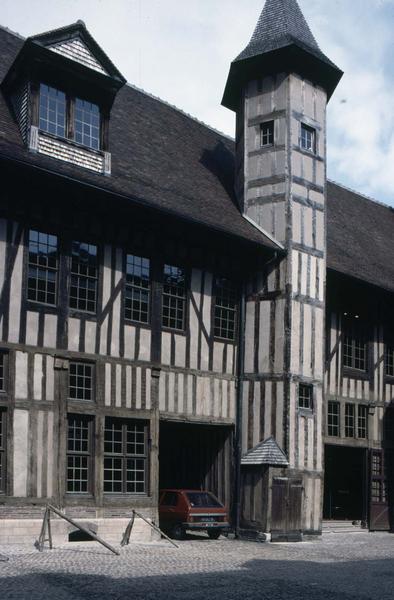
<point>38,376</point>
<point>90,337</point>
<point>16,295</point>
<point>32,328</point>
<point>50,380</point>
<point>50,331</point>
<point>129,342</point>
<point>180,351</point>
<point>74,326</point>
<point>166,348</point>
<point>21,375</point>
<point>145,344</point>
<point>21,452</point>
<point>107,388</point>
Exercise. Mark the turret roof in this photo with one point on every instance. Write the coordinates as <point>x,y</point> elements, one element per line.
<point>281,23</point>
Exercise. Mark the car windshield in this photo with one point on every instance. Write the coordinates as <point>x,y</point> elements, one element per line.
<point>203,499</point>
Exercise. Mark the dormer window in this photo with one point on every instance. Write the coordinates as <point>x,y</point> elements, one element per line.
<point>83,128</point>
<point>61,87</point>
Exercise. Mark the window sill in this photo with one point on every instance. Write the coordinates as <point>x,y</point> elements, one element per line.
<point>355,373</point>
<point>306,412</point>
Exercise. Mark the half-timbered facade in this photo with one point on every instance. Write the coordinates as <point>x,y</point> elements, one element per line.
<point>180,311</point>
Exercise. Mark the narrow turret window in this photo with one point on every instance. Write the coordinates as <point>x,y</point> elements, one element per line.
<point>308,138</point>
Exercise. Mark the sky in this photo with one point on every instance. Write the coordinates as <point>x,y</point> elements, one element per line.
<point>180,51</point>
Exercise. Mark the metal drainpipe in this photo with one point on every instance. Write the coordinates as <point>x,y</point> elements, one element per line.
<point>238,422</point>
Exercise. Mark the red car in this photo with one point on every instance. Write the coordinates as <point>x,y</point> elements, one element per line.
<point>195,510</point>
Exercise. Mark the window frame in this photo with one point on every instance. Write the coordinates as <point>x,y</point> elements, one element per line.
<point>84,363</point>
<point>269,134</point>
<point>312,131</point>
<point>355,330</point>
<point>29,264</point>
<point>124,456</point>
<point>3,450</point>
<point>184,299</point>
<point>362,417</point>
<point>389,360</point>
<point>311,396</point>
<point>132,286</point>
<point>71,274</point>
<point>89,454</point>
<point>4,358</point>
<point>225,310</point>
<point>70,117</point>
<point>351,420</point>
<point>337,415</point>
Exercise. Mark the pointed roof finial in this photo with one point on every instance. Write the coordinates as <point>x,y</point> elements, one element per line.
<point>282,40</point>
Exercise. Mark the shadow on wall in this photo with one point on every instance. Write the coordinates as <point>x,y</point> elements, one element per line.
<point>253,580</point>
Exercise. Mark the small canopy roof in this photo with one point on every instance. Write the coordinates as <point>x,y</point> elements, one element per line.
<point>267,452</point>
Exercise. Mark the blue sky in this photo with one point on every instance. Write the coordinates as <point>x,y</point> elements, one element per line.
<point>181,51</point>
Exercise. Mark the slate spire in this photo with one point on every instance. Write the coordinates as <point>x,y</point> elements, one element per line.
<point>281,41</point>
<point>281,22</point>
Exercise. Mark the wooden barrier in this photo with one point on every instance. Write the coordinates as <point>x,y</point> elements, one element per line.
<point>46,527</point>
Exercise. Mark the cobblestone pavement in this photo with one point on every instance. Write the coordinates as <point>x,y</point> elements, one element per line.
<point>339,567</point>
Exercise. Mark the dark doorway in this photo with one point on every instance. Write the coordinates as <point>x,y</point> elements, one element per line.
<point>345,483</point>
<point>196,456</point>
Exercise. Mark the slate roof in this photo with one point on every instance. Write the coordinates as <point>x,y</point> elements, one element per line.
<point>281,23</point>
<point>161,158</point>
<point>267,452</point>
<point>360,237</point>
<point>165,159</point>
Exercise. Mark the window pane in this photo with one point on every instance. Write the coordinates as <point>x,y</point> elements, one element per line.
<point>362,424</point>
<point>137,289</point>
<point>333,418</point>
<point>81,381</point>
<point>349,420</point>
<point>3,373</point>
<point>3,446</point>
<point>267,133</point>
<point>79,454</point>
<point>174,298</point>
<point>389,362</point>
<point>87,124</point>
<point>52,110</point>
<point>225,309</point>
<point>42,267</point>
<point>125,456</point>
<point>84,277</point>
<point>305,396</point>
<point>308,137</point>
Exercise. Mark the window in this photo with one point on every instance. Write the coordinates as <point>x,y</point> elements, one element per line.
<point>42,267</point>
<point>305,396</point>
<point>83,127</point>
<point>267,133</point>
<point>169,499</point>
<point>174,297</point>
<point>354,346</point>
<point>79,454</point>
<point>137,289</point>
<point>333,418</point>
<point>3,371</point>
<point>362,422</point>
<point>125,456</point>
<point>81,381</point>
<point>84,276</point>
<point>87,124</point>
<point>308,138</point>
<point>52,114</point>
<point>389,360</point>
<point>225,309</point>
<point>349,420</point>
<point>3,445</point>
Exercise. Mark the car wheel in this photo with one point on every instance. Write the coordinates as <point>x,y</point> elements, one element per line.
<point>214,533</point>
<point>178,532</point>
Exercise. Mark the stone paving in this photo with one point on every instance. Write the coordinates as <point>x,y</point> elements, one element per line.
<point>338,567</point>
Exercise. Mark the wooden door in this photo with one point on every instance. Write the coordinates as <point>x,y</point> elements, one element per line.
<point>286,514</point>
<point>379,517</point>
